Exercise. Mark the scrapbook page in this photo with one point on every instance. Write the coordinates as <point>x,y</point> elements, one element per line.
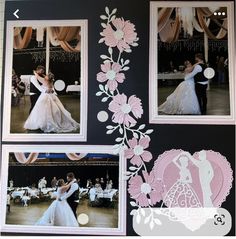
<point>118,122</point>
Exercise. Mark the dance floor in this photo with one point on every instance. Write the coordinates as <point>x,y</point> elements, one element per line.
<point>218,98</point>
<point>98,217</point>
<point>20,113</point>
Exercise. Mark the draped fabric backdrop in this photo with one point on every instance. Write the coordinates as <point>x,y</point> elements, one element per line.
<point>21,158</point>
<point>57,36</point>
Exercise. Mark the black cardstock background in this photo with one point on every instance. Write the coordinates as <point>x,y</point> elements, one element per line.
<point>191,138</point>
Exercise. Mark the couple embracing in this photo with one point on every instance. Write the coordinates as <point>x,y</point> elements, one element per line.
<point>47,112</point>
<point>190,97</point>
<point>62,211</point>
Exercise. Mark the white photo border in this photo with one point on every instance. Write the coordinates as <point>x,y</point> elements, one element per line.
<point>6,134</point>
<point>121,230</point>
<point>154,118</point>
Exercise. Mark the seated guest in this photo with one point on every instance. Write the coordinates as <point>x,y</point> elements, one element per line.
<point>18,88</point>
<point>79,182</point>
<point>25,198</point>
<point>92,193</point>
<point>99,189</point>
<point>109,185</point>
<point>102,182</point>
<point>89,183</point>
<point>54,182</point>
<point>11,183</point>
<point>97,183</point>
<point>9,201</point>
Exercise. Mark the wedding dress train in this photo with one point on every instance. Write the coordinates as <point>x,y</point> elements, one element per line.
<point>183,101</point>
<point>59,213</point>
<point>49,115</point>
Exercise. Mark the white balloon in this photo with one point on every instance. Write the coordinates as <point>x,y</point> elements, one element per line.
<point>59,85</point>
<point>83,219</point>
<point>209,73</point>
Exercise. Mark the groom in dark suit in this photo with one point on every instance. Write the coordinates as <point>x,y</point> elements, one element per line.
<point>35,86</point>
<point>201,83</point>
<point>72,194</point>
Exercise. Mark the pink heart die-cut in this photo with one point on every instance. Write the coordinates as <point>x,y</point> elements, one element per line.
<point>200,180</point>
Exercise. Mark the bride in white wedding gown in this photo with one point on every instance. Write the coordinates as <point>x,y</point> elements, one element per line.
<point>183,101</point>
<point>48,114</point>
<point>59,213</point>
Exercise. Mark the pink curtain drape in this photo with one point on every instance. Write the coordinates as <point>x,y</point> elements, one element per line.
<point>170,33</point>
<point>169,28</point>
<point>22,42</point>
<point>163,17</point>
<point>58,36</point>
<point>202,13</point>
<point>75,157</point>
<point>62,35</point>
<point>21,158</point>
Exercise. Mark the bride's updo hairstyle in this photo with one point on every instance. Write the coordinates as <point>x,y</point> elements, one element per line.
<point>60,182</point>
<point>50,76</point>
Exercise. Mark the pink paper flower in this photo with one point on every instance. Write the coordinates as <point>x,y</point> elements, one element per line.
<point>136,151</point>
<point>123,35</point>
<point>122,109</point>
<point>111,74</point>
<point>146,192</point>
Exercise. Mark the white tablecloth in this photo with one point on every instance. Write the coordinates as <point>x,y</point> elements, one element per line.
<point>171,76</point>
<point>107,194</point>
<point>73,88</point>
<point>17,194</point>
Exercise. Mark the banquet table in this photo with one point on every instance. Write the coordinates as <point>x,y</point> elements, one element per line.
<point>73,88</point>
<point>47,190</point>
<point>107,194</point>
<point>18,194</point>
<point>171,76</point>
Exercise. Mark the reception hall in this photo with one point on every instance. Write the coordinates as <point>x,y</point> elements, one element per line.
<point>33,181</point>
<point>184,32</point>
<point>58,51</point>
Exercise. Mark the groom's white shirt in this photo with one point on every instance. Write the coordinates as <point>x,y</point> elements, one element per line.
<point>35,82</point>
<point>73,188</point>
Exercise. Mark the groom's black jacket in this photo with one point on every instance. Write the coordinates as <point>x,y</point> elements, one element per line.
<point>34,89</point>
<point>199,77</point>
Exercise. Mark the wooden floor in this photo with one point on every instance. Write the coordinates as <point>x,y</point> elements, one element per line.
<point>20,113</point>
<point>98,217</point>
<point>218,98</point>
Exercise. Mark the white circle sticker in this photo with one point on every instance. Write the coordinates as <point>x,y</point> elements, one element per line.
<point>59,85</point>
<point>209,73</point>
<point>83,219</point>
<point>102,116</point>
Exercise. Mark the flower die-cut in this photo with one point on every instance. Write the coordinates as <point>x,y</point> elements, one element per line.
<point>122,36</point>
<point>137,152</point>
<point>111,74</point>
<point>122,109</point>
<point>146,192</point>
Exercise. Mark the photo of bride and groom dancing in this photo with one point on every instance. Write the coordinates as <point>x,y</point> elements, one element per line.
<point>62,211</point>
<point>47,113</point>
<point>47,93</point>
<point>190,96</point>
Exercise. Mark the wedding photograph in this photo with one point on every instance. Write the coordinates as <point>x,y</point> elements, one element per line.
<point>77,190</point>
<point>47,65</point>
<point>194,62</point>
